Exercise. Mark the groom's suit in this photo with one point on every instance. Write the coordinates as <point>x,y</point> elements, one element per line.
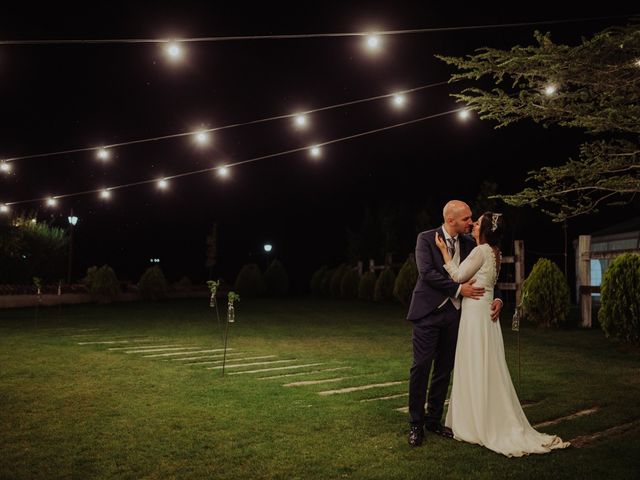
<point>435,327</point>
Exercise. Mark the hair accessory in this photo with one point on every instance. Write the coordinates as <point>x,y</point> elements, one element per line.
<point>494,221</point>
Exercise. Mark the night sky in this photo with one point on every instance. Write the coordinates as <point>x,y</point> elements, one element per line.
<point>59,97</point>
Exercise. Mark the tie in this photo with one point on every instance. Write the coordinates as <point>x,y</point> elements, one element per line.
<point>451,246</point>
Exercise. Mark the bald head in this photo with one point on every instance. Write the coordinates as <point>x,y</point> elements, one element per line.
<point>457,217</point>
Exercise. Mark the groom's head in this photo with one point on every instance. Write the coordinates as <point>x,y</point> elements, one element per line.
<point>457,217</point>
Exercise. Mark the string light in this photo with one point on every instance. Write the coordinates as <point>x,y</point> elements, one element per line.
<point>4,208</point>
<point>399,100</point>
<point>315,152</point>
<point>202,137</point>
<point>301,120</point>
<point>105,194</point>
<point>173,51</point>
<point>223,172</point>
<point>5,167</point>
<point>550,89</point>
<point>103,154</point>
<point>52,202</point>
<point>372,42</point>
<point>163,184</point>
<point>464,114</point>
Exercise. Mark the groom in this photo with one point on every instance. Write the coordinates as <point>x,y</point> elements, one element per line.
<point>435,313</point>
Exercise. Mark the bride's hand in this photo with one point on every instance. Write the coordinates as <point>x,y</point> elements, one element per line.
<point>440,242</point>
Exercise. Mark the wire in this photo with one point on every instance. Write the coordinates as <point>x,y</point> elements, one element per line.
<point>303,35</point>
<point>225,127</point>
<point>243,162</point>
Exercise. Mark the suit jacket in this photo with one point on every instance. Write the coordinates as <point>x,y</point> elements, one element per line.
<point>434,284</point>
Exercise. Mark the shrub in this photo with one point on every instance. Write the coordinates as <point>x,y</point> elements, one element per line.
<point>619,312</point>
<point>152,284</point>
<point>349,284</point>
<point>336,280</point>
<point>406,281</point>
<point>103,284</point>
<point>545,294</point>
<point>276,279</point>
<point>316,280</point>
<point>384,286</point>
<point>183,285</point>
<point>367,286</point>
<point>326,282</point>
<point>249,281</point>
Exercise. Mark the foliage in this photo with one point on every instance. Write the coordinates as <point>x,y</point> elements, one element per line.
<point>367,286</point>
<point>249,281</point>
<point>276,279</point>
<point>619,313</point>
<point>104,286</point>
<point>316,280</point>
<point>153,284</point>
<point>349,284</point>
<point>593,86</point>
<point>336,280</point>
<point>384,286</point>
<point>406,281</point>
<point>545,294</point>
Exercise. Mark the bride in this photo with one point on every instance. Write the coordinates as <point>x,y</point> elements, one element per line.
<point>484,408</point>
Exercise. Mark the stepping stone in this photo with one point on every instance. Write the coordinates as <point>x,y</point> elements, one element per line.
<point>581,413</point>
<point>584,440</point>
<point>146,346</point>
<point>112,342</point>
<point>240,365</point>
<point>235,359</point>
<point>303,373</point>
<point>314,382</point>
<point>276,368</point>
<point>205,356</point>
<point>361,387</point>
<point>183,353</point>
<point>385,398</point>
<point>161,349</point>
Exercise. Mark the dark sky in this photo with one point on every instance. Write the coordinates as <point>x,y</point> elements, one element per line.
<point>59,97</point>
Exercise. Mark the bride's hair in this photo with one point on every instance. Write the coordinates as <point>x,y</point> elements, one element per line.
<point>491,228</point>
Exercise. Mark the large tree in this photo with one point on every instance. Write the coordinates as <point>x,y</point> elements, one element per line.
<point>594,86</point>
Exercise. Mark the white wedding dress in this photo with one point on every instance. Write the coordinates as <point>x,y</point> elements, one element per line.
<point>484,408</point>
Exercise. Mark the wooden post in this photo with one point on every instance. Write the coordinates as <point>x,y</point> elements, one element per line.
<point>584,279</point>
<point>518,247</point>
<point>372,266</point>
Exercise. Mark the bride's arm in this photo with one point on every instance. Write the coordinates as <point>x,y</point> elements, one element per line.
<point>468,268</point>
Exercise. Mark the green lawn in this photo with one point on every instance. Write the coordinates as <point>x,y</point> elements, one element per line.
<point>84,411</point>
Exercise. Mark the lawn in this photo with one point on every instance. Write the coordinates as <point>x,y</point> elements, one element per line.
<point>145,407</point>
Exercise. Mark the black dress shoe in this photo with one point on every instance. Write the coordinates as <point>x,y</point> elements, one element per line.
<point>439,429</point>
<point>416,436</point>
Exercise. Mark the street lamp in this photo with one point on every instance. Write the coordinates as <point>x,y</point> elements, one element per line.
<point>72,223</point>
<point>267,249</point>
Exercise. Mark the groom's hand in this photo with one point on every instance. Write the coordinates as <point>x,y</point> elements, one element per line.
<point>468,290</point>
<point>496,307</point>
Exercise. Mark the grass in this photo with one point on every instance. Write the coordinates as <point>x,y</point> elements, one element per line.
<point>82,411</point>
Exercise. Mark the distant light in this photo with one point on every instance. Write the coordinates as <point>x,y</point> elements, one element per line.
<point>52,202</point>
<point>72,220</point>
<point>105,194</point>
<point>163,184</point>
<point>223,172</point>
<point>202,138</point>
<point>399,100</point>
<point>33,220</point>
<point>464,114</point>
<point>4,208</point>
<point>315,152</point>
<point>373,42</point>
<point>550,89</point>
<point>104,154</point>
<point>173,50</point>
<point>154,260</point>
<point>301,120</point>
<point>268,247</point>
<point>5,167</point>
<point>637,63</point>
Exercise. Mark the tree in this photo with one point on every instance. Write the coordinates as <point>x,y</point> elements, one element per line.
<point>594,86</point>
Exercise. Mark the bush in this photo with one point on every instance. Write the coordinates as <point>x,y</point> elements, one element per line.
<point>325,289</point>
<point>103,284</point>
<point>276,279</point>
<point>336,280</point>
<point>152,284</point>
<point>316,280</point>
<point>367,286</point>
<point>249,281</point>
<point>545,294</point>
<point>349,284</point>
<point>406,281</point>
<point>183,285</point>
<point>384,286</point>
<point>619,312</point>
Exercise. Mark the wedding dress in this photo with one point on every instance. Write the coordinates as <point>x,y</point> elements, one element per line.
<point>484,408</point>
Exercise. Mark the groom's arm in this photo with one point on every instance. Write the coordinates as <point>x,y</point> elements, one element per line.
<point>425,262</point>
